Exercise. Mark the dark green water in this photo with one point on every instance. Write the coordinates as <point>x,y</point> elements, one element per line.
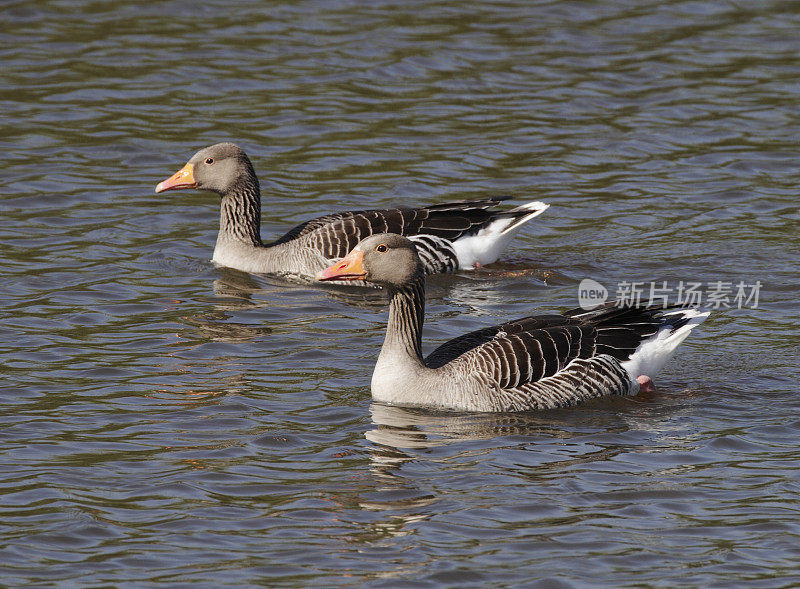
<point>165,422</point>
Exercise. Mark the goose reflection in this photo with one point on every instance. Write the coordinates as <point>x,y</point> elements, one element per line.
<point>563,437</point>
<point>237,292</point>
<point>403,436</point>
<point>409,428</point>
<point>236,288</point>
<point>554,441</point>
<point>233,292</point>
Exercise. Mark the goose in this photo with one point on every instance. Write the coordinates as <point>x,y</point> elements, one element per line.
<point>450,236</point>
<point>537,362</point>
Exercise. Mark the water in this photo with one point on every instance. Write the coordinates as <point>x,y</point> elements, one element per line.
<point>165,422</point>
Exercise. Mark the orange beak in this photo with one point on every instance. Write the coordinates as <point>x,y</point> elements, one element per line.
<point>349,268</point>
<point>183,178</point>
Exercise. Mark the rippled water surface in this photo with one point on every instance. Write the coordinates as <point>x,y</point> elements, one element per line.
<point>163,421</point>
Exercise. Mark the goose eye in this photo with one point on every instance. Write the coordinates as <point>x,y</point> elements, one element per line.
<point>209,160</point>
<point>381,248</point>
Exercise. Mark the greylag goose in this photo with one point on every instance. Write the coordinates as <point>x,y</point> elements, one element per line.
<point>449,236</point>
<point>536,362</point>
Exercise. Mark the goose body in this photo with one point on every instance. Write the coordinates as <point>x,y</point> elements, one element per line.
<point>451,236</point>
<point>536,362</point>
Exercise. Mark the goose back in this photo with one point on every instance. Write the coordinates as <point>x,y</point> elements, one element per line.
<point>334,235</point>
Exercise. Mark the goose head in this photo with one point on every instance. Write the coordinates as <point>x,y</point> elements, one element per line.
<point>220,168</point>
<point>386,258</point>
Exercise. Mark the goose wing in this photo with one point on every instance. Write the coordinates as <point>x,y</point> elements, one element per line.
<point>615,331</point>
<point>543,365</point>
<point>522,337</point>
<point>336,234</point>
<point>555,360</point>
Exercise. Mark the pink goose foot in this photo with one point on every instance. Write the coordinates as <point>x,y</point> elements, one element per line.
<point>646,384</point>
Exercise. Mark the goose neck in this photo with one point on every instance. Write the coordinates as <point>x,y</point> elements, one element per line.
<point>240,213</point>
<point>406,317</point>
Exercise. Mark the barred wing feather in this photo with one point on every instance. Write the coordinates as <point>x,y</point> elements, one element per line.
<point>336,234</point>
<point>510,360</point>
<point>551,361</point>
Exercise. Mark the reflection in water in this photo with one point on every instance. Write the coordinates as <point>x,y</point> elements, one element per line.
<point>399,429</point>
<point>406,436</point>
<point>212,326</point>
<point>234,292</point>
<point>511,269</point>
<point>402,427</point>
<point>235,285</point>
<point>551,446</point>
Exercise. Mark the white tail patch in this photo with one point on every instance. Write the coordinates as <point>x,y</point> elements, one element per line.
<point>651,355</point>
<point>486,245</point>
